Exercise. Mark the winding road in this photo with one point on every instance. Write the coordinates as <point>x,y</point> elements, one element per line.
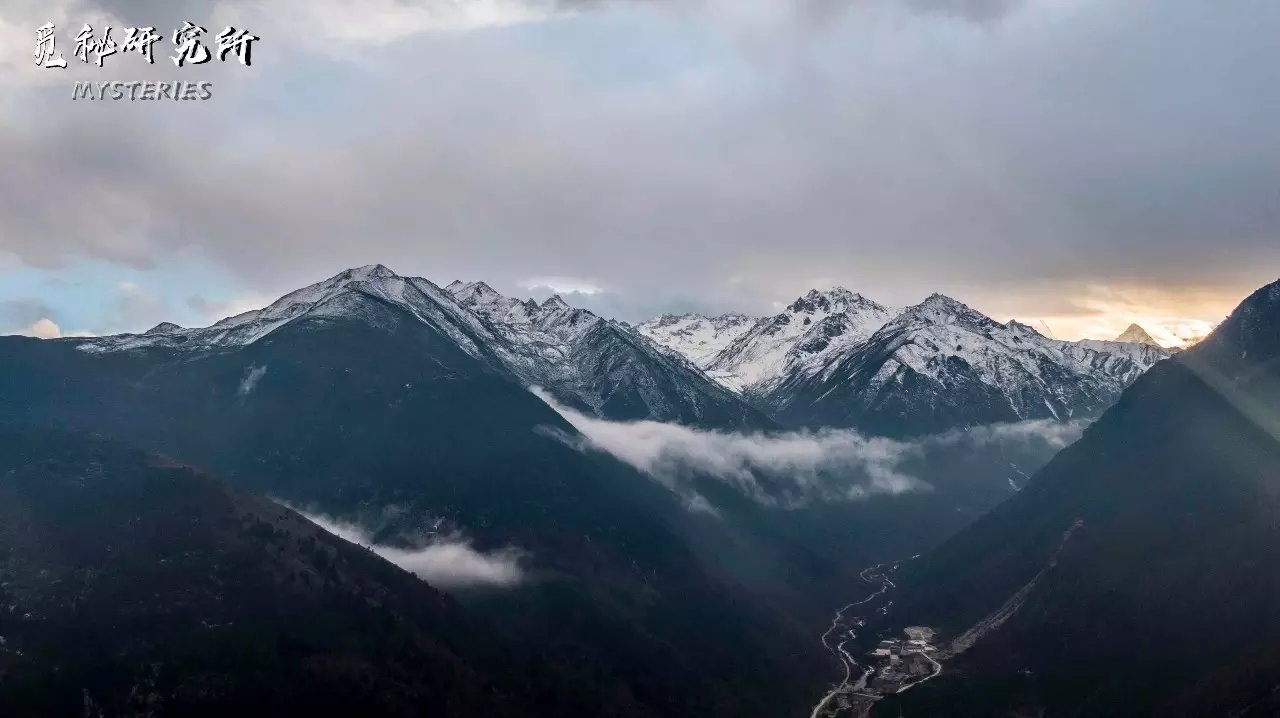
<point>937,668</point>
<point>857,700</point>
<point>845,628</point>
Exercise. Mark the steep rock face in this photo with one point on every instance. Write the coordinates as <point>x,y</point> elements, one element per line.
<point>1165,599</point>
<point>798,340</point>
<point>699,338</point>
<point>941,365</point>
<point>604,367</point>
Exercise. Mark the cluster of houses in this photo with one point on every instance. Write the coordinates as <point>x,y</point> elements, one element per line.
<point>894,649</point>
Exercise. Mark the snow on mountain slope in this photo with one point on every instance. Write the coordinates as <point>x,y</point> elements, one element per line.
<point>811,329</point>
<point>1142,354</point>
<point>832,358</point>
<point>587,362</point>
<point>331,297</point>
<point>942,365</point>
<point>699,338</point>
<point>485,301</point>
<point>604,366</point>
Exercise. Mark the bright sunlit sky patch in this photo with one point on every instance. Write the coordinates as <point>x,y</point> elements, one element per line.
<point>1075,164</point>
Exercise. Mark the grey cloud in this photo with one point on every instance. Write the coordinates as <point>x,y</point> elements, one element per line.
<point>202,305</point>
<point>23,312</point>
<point>1125,141</point>
<point>135,309</point>
<point>977,10</point>
<point>164,15</point>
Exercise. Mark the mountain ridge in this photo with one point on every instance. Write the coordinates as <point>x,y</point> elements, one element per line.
<point>591,363</point>
<point>835,358</point>
<point>811,365</point>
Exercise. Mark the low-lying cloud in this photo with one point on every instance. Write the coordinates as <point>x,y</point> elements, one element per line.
<point>448,563</point>
<point>794,468</point>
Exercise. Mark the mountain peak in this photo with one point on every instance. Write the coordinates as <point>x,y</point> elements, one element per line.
<point>942,303</point>
<point>667,320</point>
<point>941,309</point>
<point>813,299</point>
<point>1260,309</point>
<point>369,272</point>
<point>473,291</point>
<point>481,289</point>
<point>835,298</point>
<point>1136,335</point>
<point>164,328</point>
<point>939,299</point>
<point>555,303</point>
<point>1023,328</point>
<point>1249,336</point>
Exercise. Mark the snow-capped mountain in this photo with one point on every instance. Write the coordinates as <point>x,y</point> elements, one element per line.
<point>483,300</point>
<point>342,295</point>
<point>1136,335</point>
<point>700,339</point>
<point>812,328</point>
<point>838,358</point>
<point>941,365</point>
<point>590,363</point>
<point>1142,354</point>
<point>831,358</point>
<point>601,365</point>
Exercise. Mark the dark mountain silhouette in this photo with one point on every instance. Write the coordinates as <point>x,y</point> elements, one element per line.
<point>1166,598</point>
<point>132,585</point>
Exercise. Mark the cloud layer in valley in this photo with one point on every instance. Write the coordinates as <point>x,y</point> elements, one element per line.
<point>794,468</point>
<point>449,563</point>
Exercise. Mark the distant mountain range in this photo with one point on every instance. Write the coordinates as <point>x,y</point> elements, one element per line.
<point>586,361</point>
<point>836,358</point>
<point>832,358</point>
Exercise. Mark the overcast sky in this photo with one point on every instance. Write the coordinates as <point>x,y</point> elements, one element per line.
<point>1077,164</point>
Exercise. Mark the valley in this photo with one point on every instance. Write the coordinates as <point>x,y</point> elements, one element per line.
<point>636,492</point>
<point>893,666</point>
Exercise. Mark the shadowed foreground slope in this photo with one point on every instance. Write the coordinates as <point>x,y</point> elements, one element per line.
<point>131,585</point>
<point>1166,601</point>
